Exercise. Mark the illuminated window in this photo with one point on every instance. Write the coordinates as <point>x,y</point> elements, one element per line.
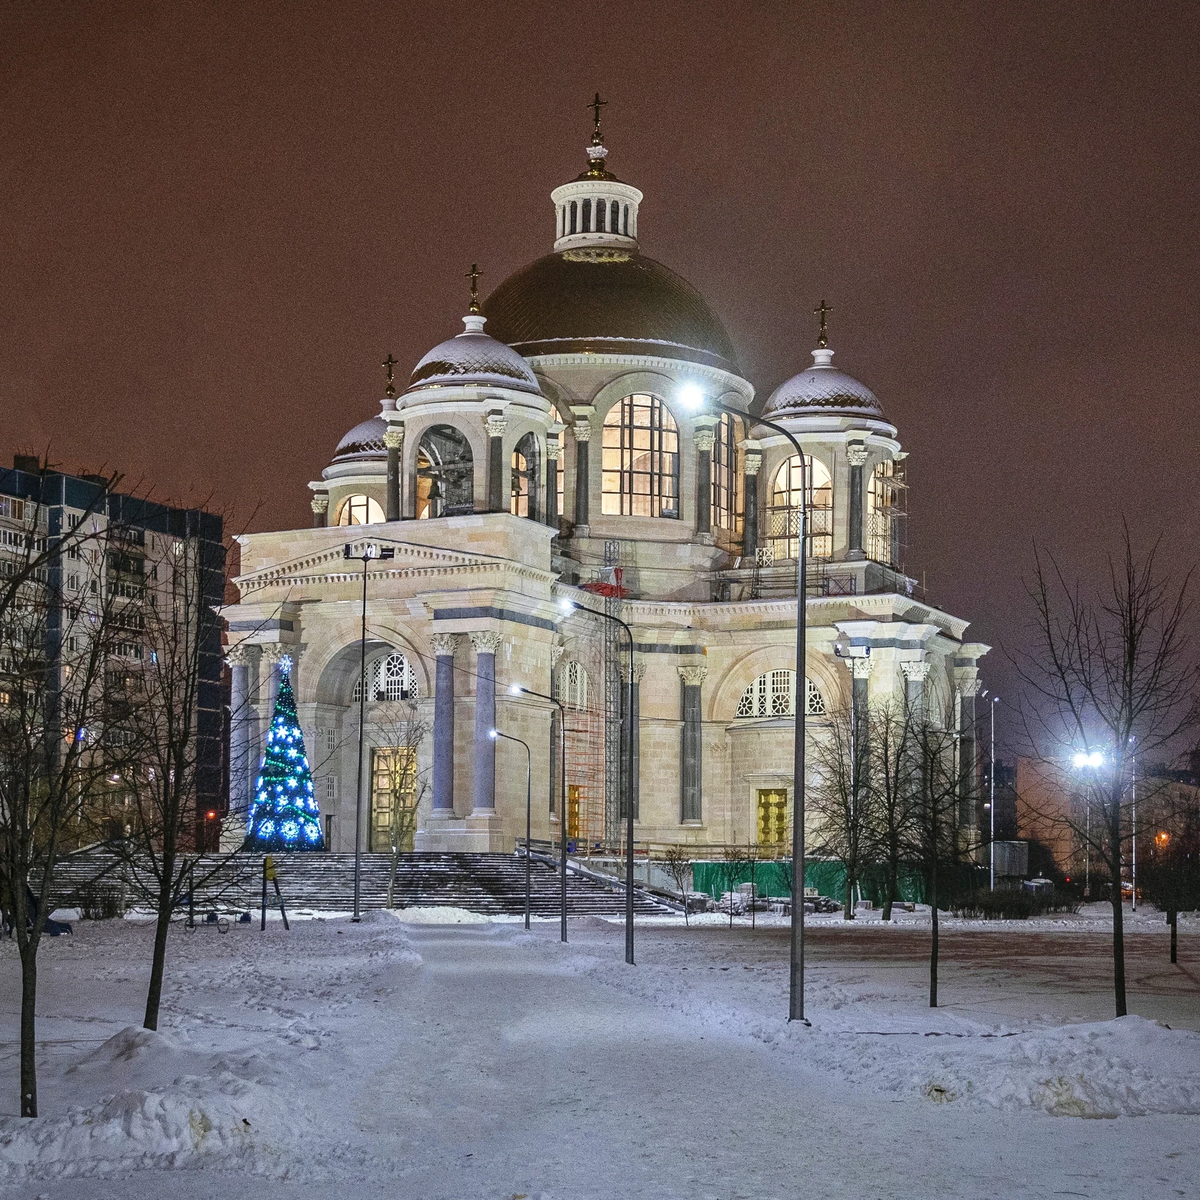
<point>727,480</point>
<point>573,686</point>
<point>445,473</point>
<point>782,523</point>
<point>524,491</point>
<point>360,510</point>
<point>773,694</point>
<point>884,513</point>
<point>640,462</point>
<point>390,678</point>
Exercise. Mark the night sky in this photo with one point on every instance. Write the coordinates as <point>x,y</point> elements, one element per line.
<point>216,220</point>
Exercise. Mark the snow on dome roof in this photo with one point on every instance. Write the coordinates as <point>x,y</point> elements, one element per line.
<point>364,441</point>
<point>472,357</point>
<point>822,387</point>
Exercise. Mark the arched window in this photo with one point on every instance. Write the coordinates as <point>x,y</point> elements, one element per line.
<point>783,514</point>
<point>573,686</point>
<point>885,511</point>
<point>445,473</point>
<point>601,210</point>
<point>640,465</point>
<point>574,215</point>
<point>614,217</point>
<point>390,678</point>
<point>587,217</point>
<point>360,510</point>
<point>727,481</point>
<point>773,694</point>
<point>526,476</point>
<point>625,222</point>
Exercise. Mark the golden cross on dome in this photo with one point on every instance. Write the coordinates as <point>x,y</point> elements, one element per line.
<point>596,105</point>
<point>822,312</point>
<point>389,365</point>
<point>474,275</point>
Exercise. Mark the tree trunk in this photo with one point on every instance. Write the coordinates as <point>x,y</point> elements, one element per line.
<point>158,962</point>
<point>392,877</point>
<point>1118,946</point>
<point>1174,923</point>
<point>29,1106</point>
<point>933,944</point>
<point>848,902</point>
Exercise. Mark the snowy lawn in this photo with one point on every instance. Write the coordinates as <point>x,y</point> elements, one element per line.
<point>446,1061</point>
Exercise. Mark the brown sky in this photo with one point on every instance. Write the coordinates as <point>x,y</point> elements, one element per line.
<point>216,219</point>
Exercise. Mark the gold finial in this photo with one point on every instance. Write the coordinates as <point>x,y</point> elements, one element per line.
<point>596,105</point>
<point>822,312</point>
<point>474,275</point>
<point>389,365</point>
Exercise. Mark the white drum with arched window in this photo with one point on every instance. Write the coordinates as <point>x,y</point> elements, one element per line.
<point>773,694</point>
<point>445,473</point>
<point>524,490</point>
<point>388,678</point>
<point>640,459</point>
<point>727,483</point>
<point>360,510</point>
<point>781,523</point>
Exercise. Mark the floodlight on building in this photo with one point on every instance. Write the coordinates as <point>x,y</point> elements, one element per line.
<point>691,396</point>
<point>493,734</point>
<point>1084,758</point>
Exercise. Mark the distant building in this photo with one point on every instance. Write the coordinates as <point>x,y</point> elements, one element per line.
<point>130,534</point>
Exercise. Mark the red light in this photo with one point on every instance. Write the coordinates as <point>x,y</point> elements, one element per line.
<point>211,814</point>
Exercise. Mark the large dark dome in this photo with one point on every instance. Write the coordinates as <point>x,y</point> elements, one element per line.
<point>615,305</point>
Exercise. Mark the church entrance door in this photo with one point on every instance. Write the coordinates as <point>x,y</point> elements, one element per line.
<point>393,798</point>
<point>773,817</point>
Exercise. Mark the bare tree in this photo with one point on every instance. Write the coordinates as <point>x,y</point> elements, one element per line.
<point>398,731</point>
<point>841,799</point>
<point>891,756</point>
<point>1113,675</point>
<point>735,864</point>
<point>58,633</point>
<point>170,722</point>
<point>677,862</point>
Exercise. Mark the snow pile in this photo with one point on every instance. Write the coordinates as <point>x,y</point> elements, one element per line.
<point>449,915</point>
<point>214,1115</point>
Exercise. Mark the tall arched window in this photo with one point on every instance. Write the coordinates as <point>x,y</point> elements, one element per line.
<point>573,686</point>
<point>773,694</point>
<point>625,221</point>
<point>360,510</point>
<point>640,466</point>
<point>885,510</point>
<point>574,215</point>
<point>601,211</point>
<point>389,678</point>
<point>782,522</point>
<point>587,217</point>
<point>445,473</point>
<point>727,482</point>
<point>526,476</point>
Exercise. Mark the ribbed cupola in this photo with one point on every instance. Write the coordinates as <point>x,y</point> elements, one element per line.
<point>596,211</point>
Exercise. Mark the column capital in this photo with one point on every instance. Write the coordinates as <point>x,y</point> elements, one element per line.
<point>582,430</point>
<point>393,437</point>
<point>968,688</point>
<point>693,676</point>
<point>917,670</point>
<point>639,671</point>
<point>861,668</point>
<point>443,644</point>
<point>751,462</point>
<point>485,641</point>
<point>552,447</point>
<point>495,423</point>
<point>239,655</point>
<point>856,454</point>
<point>556,653</point>
<point>273,652</point>
<point>704,437</point>
<point>319,504</point>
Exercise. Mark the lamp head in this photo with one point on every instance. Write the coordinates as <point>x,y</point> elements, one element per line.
<point>515,690</point>
<point>1085,759</point>
<point>493,734</point>
<point>691,397</point>
<point>565,606</point>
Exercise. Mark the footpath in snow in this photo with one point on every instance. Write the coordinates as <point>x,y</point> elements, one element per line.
<point>449,1056</point>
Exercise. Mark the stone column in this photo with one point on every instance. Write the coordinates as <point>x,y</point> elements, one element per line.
<point>751,464</point>
<point>270,656</point>
<point>968,791</point>
<point>497,493</point>
<point>691,745</point>
<point>705,438</point>
<point>856,455</point>
<point>552,448</point>
<point>393,440</point>
<point>240,783</point>
<point>443,725</point>
<point>915,674</point>
<point>486,644</point>
<point>860,672</point>
<point>583,435</point>
<point>632,770</point>
<point>320,510</point>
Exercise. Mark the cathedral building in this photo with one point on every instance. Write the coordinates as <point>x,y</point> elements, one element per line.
<point>551,458</point>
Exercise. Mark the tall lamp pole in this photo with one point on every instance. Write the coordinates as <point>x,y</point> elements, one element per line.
<point>518,690</point>
<point>369,551</point>
<point>693,397</point>
<point>493,734</point>
<point>992,788</point>
<point>567,608</point>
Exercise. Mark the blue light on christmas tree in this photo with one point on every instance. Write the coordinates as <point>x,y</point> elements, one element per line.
<point>284,813</point>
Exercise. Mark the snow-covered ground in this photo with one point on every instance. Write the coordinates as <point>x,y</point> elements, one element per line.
<point>474,1059</point>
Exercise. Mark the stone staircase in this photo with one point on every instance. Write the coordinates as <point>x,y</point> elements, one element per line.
<point>487,883</point>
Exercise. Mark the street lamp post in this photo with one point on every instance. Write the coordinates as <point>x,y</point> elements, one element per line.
<point>692,397</point>
<point>518,690</point>
<point>992,788</point>
<point>369,551</point>
<point>493,734</point>
<point>1082,760</point>
<point>567,608</point>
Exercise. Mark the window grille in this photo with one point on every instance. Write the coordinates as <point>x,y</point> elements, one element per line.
<point>573,686</point>
<point>390,678</point>
<point>640,459</point>
<point>773,694</point>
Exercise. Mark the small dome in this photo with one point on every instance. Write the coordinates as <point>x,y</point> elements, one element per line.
<point>472,357</point>
<point>364,441</point>
<point>822,388</point>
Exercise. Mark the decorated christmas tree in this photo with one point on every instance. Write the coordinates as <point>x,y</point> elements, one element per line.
<point>284,813</point>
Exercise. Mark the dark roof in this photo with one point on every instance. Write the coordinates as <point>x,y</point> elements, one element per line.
<point>562,305</point>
